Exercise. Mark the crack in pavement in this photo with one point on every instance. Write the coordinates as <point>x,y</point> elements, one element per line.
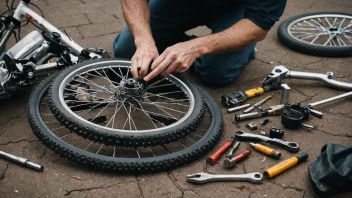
<point>11,118</point>
<point>139,187</point>
<point>174,182</point>
<point>290,187</point>
<point>19,141</point>
<point>2,175</point>
<point>68,192</point>
<point>335,135</point>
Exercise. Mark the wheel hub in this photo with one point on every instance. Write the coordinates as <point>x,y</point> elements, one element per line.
<point>129,90</point>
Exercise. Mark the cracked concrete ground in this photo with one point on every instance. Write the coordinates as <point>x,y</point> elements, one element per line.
<point>96,23</point>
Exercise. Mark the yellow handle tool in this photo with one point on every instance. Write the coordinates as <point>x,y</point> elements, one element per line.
<point>254,92</point>
<point>284,165</point>
<point>266,150</point>
<point>233,99</point>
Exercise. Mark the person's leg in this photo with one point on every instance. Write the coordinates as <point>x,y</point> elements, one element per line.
<point>221,69</point>
<point>169,20</point>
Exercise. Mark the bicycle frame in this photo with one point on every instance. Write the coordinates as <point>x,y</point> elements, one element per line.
<point>23,11</point>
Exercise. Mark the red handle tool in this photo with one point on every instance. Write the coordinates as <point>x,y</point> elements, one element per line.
<point>212,159</point>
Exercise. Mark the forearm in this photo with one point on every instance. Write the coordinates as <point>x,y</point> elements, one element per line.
<point>137,16</point>
<point>238,36</point>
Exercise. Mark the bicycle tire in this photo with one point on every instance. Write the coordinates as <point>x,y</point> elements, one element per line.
<point>128,139</point>
<point>120,165</point>
<point>305,47</point>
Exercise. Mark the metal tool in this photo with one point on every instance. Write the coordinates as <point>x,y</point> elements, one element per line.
<point>21,161</point>
<point>284,165</point>
<point>285,94</point>
<point>292,119</point>
<point>264,121</point>
<point>276,133</point>
<point>257,104</point>
<point>228,163</point>
<point>251,126</point>
<point>273,110</point>
<point>233,99</point>
<point>212,159</point>
<point>202,178</point>
<point>233,149</point>
<point>290,146</point>
<point>266,150</point>
<point>330,99</point>
<point>238,108</point>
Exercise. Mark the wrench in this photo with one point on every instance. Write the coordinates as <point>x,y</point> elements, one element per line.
<point>202,178</point>
<point>290,146</point>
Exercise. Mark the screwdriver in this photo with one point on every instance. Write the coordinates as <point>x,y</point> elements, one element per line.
<point>284,165</point>
<point>266,150</point>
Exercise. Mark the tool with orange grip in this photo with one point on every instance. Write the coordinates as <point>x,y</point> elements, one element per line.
<point>266,150</point>
<point>233,99</point>
<point>212,159</point>
<point>284,165</point>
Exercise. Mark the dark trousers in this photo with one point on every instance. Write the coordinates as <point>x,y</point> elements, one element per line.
<point>171,18</point>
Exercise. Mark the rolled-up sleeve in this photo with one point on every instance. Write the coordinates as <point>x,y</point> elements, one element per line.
<point>264,13</point>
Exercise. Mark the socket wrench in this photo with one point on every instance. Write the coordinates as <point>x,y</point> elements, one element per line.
<point>202,178</point>
<point>290,146</point>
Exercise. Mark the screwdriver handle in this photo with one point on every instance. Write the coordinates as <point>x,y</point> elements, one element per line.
<point>212,159</point>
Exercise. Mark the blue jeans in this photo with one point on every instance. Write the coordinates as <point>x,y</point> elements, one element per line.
<point>171,18</point>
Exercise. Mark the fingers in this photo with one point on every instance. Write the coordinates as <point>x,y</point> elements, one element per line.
<point>144,67</point>
<point>158,68</point>
<point>134,67</point>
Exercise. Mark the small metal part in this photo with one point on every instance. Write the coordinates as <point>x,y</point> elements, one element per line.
<point>290,146</point>
<point>238,108</point>
<point>233,149</point>
<point>201,178</point>
<point>264,121</point>
<point>22,161</point>
<point>306,126</point>
<point>276,133</point>
<point>316,113</point>
<point>285,94</point>
<point>228,163</point>
<point>251,126</point>
<point>257,104</point>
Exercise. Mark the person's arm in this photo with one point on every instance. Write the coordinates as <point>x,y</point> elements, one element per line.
<point>179,57</point>
<point>259,17</point>
<point>137,16</point>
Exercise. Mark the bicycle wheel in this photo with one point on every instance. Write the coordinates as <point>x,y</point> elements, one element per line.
<point>321,33</point>
<point>101,101</point>
<point>116,158</point>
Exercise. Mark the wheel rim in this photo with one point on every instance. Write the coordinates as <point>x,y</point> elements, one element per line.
<point>113,99</point>
<point>71,140</point>
<point>323,30</point>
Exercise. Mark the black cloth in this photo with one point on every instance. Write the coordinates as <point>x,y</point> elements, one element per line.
<point>331,172</point>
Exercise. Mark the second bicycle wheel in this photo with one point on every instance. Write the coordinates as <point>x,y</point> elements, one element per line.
<point>326,34</point>
<point>101,101</point>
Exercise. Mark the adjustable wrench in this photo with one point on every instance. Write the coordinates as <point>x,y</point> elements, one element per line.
<point>202,178</point>
<point>290,146</point>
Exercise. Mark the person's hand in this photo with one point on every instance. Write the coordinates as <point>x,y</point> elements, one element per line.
<point>177,58</point>
<point>146,52</point>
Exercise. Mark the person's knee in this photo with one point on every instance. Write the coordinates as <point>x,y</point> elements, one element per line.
<point>221,69</point>
<point>124,44</point>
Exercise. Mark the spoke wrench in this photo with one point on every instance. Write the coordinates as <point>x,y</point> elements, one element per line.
<point>290,146</point>
<point>202,178</point>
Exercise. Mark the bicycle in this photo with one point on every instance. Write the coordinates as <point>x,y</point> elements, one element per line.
<point>20,64</point>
